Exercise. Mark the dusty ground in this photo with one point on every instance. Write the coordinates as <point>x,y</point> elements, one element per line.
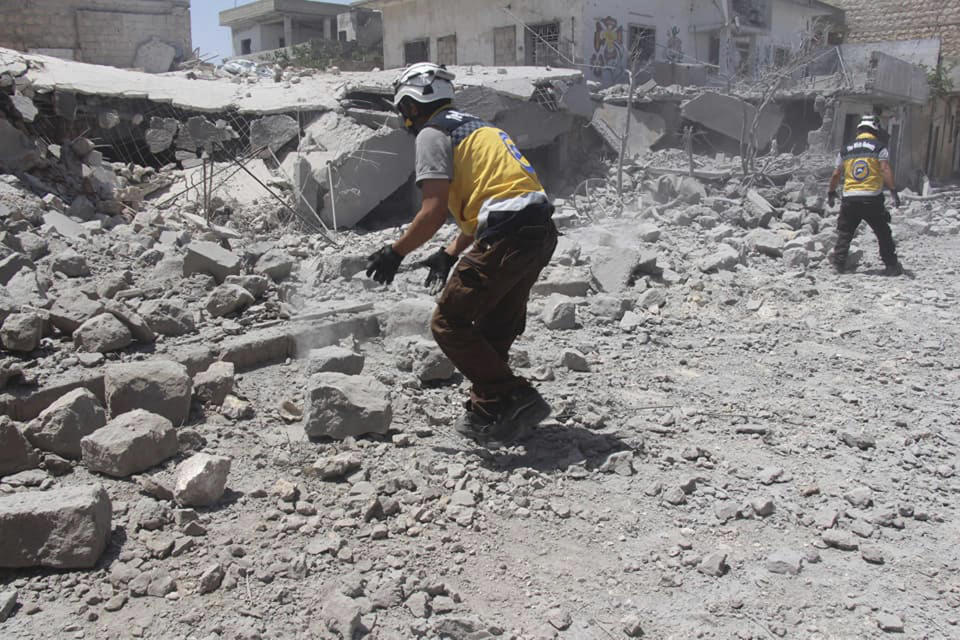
<point>751,387</point>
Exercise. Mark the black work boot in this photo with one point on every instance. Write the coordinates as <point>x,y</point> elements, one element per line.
<point>893,270</point>
<point>519,411</point>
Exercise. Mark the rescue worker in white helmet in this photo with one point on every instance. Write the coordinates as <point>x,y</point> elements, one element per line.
<point>474,170</point>
<point>864,167</point>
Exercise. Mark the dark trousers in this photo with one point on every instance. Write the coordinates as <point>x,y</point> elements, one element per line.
<point>853,211</point>
<point>483,308</point>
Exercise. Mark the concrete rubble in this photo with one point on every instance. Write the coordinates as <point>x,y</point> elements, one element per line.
<point>209,416</point>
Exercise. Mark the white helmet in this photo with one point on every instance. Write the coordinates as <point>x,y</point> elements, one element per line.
<point>423,82</point>
<point>870,123</point>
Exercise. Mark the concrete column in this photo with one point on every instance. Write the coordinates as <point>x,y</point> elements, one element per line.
<point>288,31</point>
<point>332,28</point>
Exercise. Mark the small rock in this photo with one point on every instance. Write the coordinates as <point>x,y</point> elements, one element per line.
<point>227,299</point>
<point>872,554</point>
<point>559,619</point>
<point>339,406</point>
<point>71,264</point>
<point>785,562</point>
<point>341,615</point>
<point>335,359</point>
<point>62,425</point>
<point>211,578</point>
<point>839,539</point>
<point>631,626</point>
<point>713,564</point>
<point>201,480</point>
<point>418,604</point>
<point>8,601</point>
<point>559,313</point>
<point>889,623</point>
<point>574,361</point>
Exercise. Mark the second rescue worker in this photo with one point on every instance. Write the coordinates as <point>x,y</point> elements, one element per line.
<point>474,170</point>
<point>864,167</point>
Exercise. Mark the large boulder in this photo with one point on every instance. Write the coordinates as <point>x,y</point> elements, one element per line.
<point>201,480</point>
<point>22,332</point>
<point>559,312</point>
<point>227,299</point>
<point>159,386</point>
<point>336,359</point>
<point>168,317</point>
<point>16,453</point>
<point>129,444</point>
<point>102,334</point>
<point>63,528</point>
<point>275,264</point>
<point>339,406</point>
<point>62,425</point>
<point>215,384</point>
<point>210,258</point>
<point>71,309</point>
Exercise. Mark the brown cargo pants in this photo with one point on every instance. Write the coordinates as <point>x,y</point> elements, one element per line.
<point>483,308</point>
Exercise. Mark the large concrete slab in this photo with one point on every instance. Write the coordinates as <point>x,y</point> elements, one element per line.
<point>646,129</point>
<point>727,115</point>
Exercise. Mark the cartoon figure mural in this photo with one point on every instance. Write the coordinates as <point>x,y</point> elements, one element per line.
<point>607,47</point>
<point>674,51</point>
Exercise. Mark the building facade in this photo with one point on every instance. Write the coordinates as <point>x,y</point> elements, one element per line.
<point>267,25</point>
<point>109,32</point>
<point>606,36</point>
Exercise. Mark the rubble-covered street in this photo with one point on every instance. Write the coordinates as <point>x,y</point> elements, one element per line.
<point>214,425</point>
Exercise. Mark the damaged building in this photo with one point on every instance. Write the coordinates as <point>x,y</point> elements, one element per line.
<point>606,37</point>
<point>142,34</point>
<point>268,25</point>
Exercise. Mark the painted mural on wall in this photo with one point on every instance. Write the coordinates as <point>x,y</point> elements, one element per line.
<point>608,49</point>
<point>674,52</point>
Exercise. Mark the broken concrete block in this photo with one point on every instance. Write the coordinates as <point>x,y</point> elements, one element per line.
<point>22,332</point>
<point>724,257</point>
<point>256,285</point>
<point>559,313</point>
<point>691,190</point>
<point>168,316</point>
<point>646,129</point>
<point>17,152</point>
<point>574,360</point>
<point>652,299</point>
<point>160,135</point>
<point>129,444</point>
<point>12,264</point>
<point>339,406</point>
<point>201,480</point>
<point>212,259</point>
<point>64,225</point>
<point>227,299</point>
<point>137,326</point>
<point>71,264</point>
<point>30,244</point>
<point>796,258</point>
<point>409,318</point>
<point>766,242</point>
<point>155,56</point>
<point>273,132</point>
<point>64,528</point>
<point>102,334</point>
<point>16,452</point>
<point>72,308</point>
<point>430,364</point>
<point>62,425</point>
<point>82,209</point>
<point>334,359</point>
<point>25,107</point>
<point>215,384</point>
<point>27,289</point>
<point>159,386</point>
<point>275,264</point>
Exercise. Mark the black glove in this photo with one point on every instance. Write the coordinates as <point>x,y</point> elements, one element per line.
<point>896,199</point>
<point>439,264</point>
<point>832,198</point>
<point>382,266</point>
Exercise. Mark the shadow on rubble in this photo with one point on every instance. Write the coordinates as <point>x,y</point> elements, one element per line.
<point>907,273</point>
<point>549,448</point>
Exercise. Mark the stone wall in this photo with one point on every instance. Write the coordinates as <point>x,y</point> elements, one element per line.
<point>96,31</point>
